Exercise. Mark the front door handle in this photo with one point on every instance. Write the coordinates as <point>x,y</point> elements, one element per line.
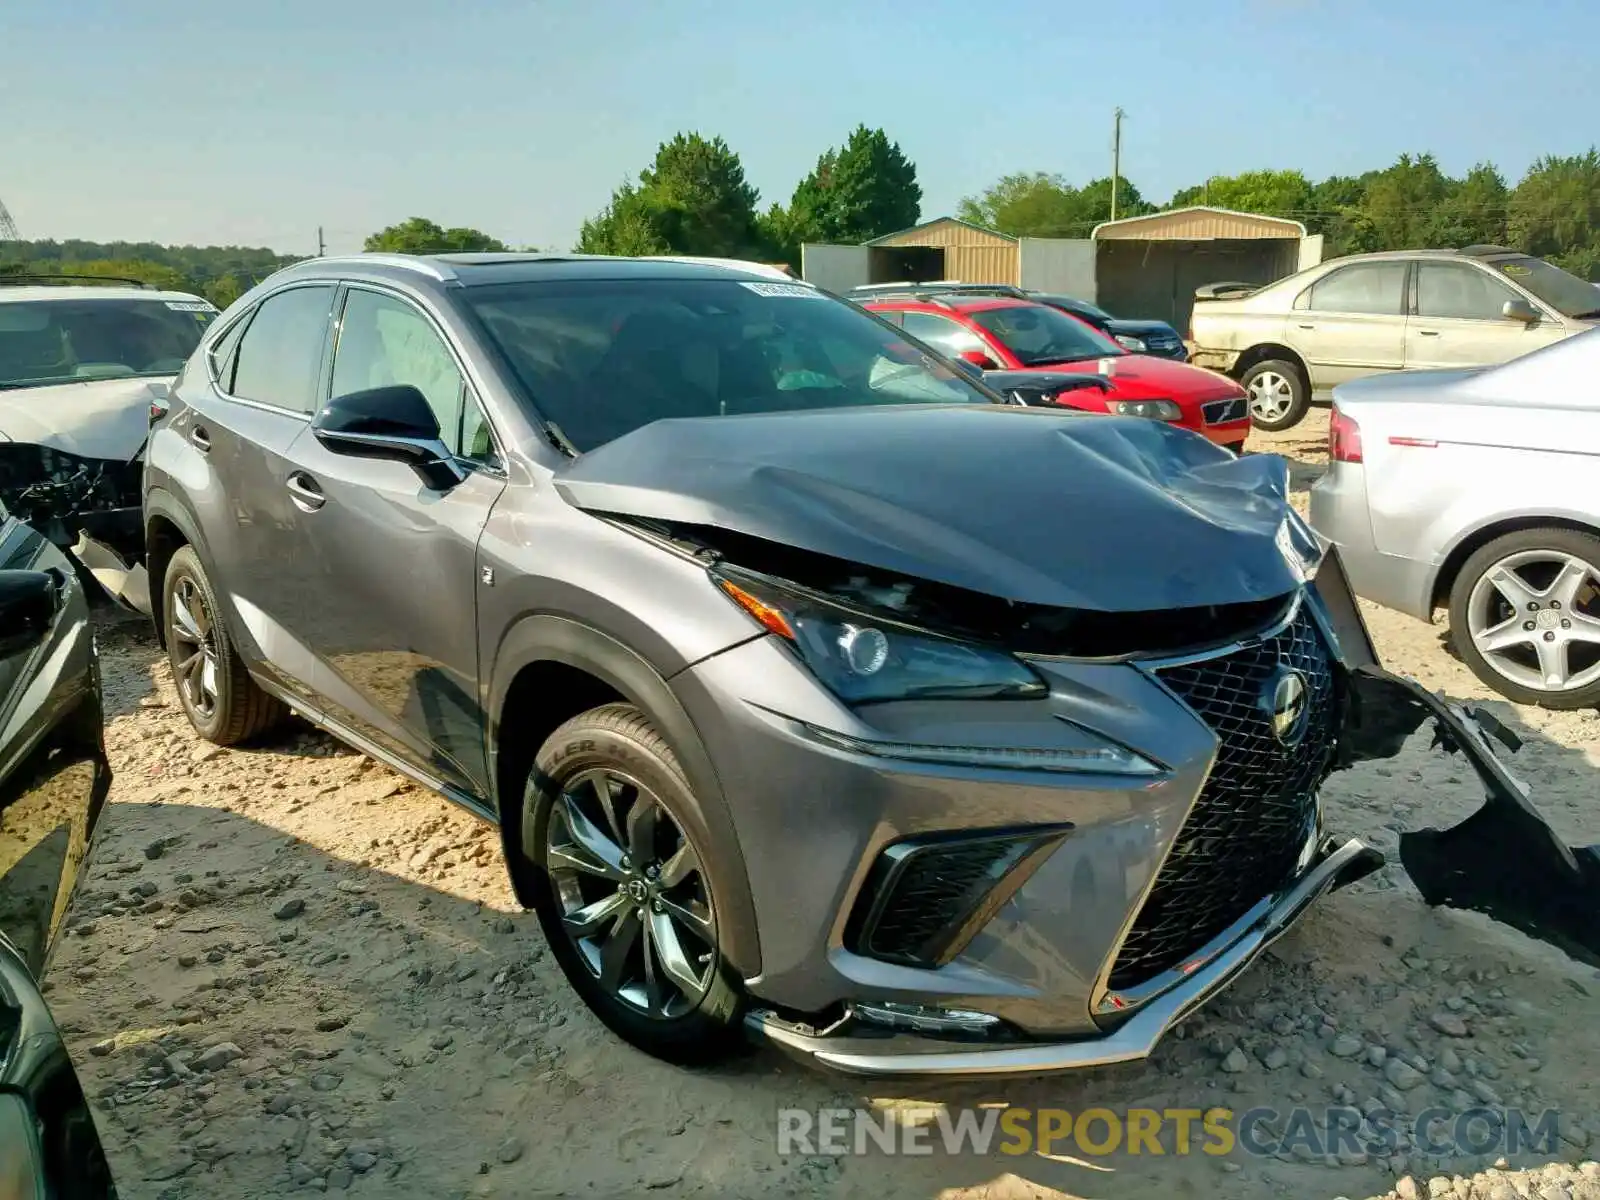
<point>1428,332</point>
<point>305,492</point>
<point>1306,326</point>
<point>200,439</point>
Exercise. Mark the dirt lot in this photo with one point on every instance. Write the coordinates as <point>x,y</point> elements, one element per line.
<point>291,969</point>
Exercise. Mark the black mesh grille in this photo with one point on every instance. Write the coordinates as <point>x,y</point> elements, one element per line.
<point>917,895</point>
<point>1253,816</point>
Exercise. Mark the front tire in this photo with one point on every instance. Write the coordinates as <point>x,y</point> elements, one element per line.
<point>1279,394</point>
<point>1525,616</point>
<point>220,699</point>
<point>621,890</point>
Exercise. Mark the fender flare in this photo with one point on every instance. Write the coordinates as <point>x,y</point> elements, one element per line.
<point>549,638</point>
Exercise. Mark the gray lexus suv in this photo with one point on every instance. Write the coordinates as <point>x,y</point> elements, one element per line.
<point>816,691</point>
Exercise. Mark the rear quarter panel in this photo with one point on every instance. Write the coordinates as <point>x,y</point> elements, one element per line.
<point>1489,463</point>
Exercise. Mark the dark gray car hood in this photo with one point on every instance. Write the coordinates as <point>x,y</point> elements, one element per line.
<point>1032,505</point>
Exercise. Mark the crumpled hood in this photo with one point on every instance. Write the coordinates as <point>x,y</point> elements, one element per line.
<point>106,418</point>
<point>1032,505</point>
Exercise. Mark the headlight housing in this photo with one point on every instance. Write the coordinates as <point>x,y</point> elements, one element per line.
<point>1156,410</point>
<point>1128,342</point>
<point>862,658</point>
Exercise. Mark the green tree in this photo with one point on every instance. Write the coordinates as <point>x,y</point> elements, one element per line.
<point>224,291</point>
<point>422,236</point>
<point>1402,201</point>
<point>1038,204</point>
<point>692,199</point>
<point>860,191</point>
<point>156,274</point>
<point>625,226</point>
<point>1269,193</point>
<point>1554,212</point>
<point>1473,211</point>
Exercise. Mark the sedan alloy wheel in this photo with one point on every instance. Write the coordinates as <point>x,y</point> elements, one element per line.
<point>1534,616</point>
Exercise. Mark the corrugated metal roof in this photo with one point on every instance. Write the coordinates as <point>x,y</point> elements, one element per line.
<point>944,231</point>
<point>1199,224</point>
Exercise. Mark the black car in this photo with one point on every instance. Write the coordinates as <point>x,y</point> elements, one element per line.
<point>1142,337</point>
<point>53,784</point>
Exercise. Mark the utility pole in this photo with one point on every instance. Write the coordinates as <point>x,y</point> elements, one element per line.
<point>321,247</point>
<point>1116,156</point>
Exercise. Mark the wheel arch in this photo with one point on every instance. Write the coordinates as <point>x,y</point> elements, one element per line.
<point>549,669</point>
<point>1475,539</point>
<point>1265,352</point>
<point>167,529</point>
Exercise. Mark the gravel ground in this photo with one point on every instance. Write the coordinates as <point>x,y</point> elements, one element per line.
<point>291,969</point>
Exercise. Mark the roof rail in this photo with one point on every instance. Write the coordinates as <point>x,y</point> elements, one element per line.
<point>406,262</point>
<point>12,278</point>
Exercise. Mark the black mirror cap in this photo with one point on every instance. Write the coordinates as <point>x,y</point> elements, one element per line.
<point>29,601</point>
<point>396,411</point>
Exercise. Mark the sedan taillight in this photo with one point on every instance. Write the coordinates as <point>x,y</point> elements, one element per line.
<point>1344,438</point>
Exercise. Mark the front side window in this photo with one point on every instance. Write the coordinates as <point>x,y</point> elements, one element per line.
<point>601,358</point>
<point>1039,335</point>
<point>383,342</point>
<point>1377,288</point>
<point>1459,291</point>
<point>78,341</point>
<point>280,355</point>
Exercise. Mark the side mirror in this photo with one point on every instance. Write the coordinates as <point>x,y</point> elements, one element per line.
<point>1519,310</point>
<point>978,359</point>
<point>393,423</point>
<point>29,601</point>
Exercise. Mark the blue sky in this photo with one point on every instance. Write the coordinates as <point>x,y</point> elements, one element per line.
<point>254,123</point>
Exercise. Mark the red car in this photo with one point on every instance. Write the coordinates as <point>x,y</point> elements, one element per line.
<point>998,333</point>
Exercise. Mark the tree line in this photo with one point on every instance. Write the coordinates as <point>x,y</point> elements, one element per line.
<point>693,198</point>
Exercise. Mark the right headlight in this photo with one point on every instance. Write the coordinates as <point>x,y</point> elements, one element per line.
<point>861,658</point>
<point>1155,410</point>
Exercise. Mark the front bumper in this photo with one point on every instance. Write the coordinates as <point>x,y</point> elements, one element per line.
<point>855,1048</point>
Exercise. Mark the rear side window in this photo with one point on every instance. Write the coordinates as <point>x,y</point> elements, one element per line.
<point>280,354</point>
<point>944,335</point>
<point>1377,288</point>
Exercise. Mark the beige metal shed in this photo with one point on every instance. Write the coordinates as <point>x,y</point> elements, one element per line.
<point>1149,266</point>
<point>945,248</point>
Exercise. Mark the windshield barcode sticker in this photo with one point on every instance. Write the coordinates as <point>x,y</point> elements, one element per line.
<point>191,306</point>
<point>784,289</point>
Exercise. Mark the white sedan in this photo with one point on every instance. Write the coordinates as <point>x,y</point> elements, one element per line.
<point>1479,491</point>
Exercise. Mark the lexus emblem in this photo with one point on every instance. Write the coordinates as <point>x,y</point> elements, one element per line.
<point>1284,698</point>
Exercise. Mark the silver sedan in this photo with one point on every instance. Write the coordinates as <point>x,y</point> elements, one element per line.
<point>1478,491</point>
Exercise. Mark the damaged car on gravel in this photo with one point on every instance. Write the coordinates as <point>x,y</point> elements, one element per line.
<point>818,693</point>
<point>82,361</point>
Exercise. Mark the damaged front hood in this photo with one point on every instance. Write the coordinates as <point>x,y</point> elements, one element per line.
<point>106,418</point>
<point>1116,514</point>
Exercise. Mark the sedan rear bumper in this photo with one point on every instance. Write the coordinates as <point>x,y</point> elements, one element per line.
<point>853,1048</point>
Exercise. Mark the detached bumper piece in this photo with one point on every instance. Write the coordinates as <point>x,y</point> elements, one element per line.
<point>857,1047</point>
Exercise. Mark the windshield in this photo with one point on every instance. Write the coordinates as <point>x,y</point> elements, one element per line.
<point>1564,292</point>
<point>76,341</point>
<point>1038,335</point>
<point>604,357</point>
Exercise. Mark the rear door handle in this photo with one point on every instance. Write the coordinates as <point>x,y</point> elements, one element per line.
<point>200,439</point>
<point>1428,332</point>
<point>1307,327</point>
<point>305,492</point>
